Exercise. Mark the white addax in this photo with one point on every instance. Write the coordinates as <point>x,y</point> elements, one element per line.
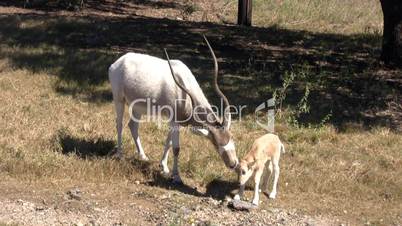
<point>138,78</point>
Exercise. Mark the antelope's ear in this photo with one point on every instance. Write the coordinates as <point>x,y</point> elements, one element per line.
<point>250,165</point>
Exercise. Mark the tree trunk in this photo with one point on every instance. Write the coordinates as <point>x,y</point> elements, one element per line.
<point>244,12</point>
<point>392,37</point>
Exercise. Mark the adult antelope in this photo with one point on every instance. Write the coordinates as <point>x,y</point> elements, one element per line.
<point>171,85</point>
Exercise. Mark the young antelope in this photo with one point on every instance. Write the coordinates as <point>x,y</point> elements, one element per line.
<point>266,147</point>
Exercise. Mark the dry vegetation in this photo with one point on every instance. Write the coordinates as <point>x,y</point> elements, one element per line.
<point>57,120</point>
<point>333,16</point>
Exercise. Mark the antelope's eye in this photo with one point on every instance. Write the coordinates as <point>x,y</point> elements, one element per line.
<point>243,172</point>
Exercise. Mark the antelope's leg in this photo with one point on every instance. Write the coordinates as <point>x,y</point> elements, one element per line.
<point>176,151</point>
<point>134,124</point>
<point>119,107</point>
<point>164,160</point>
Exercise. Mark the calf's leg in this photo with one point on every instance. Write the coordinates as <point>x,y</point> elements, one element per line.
<point>267,179</point>
<point>243,180</point>
<point>257,178</point>
<point>275,164</point>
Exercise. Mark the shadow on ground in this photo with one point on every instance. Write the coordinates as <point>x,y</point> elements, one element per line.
<point>84,148</point>
<point>219,189</point>
<point>118,7</point>
<point>340,71</point>
<point>216,189</point>
<point>102,148</point>
<point>166,182</point>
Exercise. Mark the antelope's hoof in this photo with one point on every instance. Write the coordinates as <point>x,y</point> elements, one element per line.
<point>255,202</point>
<point>116,153</point>
<point>272,195</point>
<point>164,169</point>
<point>144,158</point>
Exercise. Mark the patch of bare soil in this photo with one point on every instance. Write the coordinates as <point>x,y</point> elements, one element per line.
<point>62,203</point>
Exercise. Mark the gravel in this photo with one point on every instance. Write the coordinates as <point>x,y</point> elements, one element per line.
<point>172,207</point>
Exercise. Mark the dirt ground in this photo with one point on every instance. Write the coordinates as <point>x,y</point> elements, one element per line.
<point>140,201</point>
<point>130,204</point>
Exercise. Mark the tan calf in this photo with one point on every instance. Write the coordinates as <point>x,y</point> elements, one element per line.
<point>266,147</point>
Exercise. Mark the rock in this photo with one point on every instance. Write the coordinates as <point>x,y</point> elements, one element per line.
<point>212,201</point>
<point>74,194</point>
<point>242,205</point>
<point>185,211</point>
<point>92,223</point>
<point>98,209</point>
<point>307,223</point>
<point>196,208</point>
<point>39,208</point>
<point>228,199</point>
<point>165,196</point>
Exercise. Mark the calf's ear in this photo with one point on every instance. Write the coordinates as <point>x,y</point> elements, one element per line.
<point>250,165</point>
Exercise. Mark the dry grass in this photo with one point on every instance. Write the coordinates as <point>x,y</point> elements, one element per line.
<point>359,171</point>
<point>57,124</point>
<point>332,16</point>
